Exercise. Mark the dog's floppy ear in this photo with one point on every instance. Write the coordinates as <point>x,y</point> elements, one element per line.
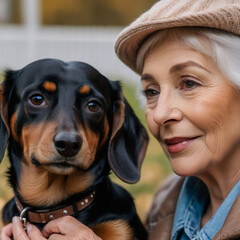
<point>128,142</point>
<point>4,127</point>
<point>4,130</point>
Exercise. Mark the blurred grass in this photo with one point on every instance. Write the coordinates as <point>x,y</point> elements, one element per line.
<point>155,167</point>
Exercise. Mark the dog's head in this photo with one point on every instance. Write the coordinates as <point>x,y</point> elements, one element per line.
<point>59,116</point>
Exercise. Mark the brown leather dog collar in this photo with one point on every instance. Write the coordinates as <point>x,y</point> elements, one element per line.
<point>44,216</point>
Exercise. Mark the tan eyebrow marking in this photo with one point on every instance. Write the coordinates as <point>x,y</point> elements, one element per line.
<point>50,86</point>
<point>84,89</point>
<point>181,66</point>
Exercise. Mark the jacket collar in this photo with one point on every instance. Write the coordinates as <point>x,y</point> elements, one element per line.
<point>231,226</point>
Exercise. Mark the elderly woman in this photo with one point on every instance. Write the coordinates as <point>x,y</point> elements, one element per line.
<point>188,55</point>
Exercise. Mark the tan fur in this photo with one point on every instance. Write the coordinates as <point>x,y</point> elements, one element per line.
<point>106,132</point>
<point>92,139</point>
<point>118,118</point>
<point>50,86</point>
<point>4,107</point>
<point>12,124</point>
<point>41,188</point>
<point>38,140</point>
<point>84,89</point>
<point>114,230</point>
<point>45,184</point>
<point>89,146</point>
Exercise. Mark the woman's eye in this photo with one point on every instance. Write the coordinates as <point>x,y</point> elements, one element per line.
<point>188,84</point>
<point>37,100</point>
<point>93,106</point>
<point>150,93</point>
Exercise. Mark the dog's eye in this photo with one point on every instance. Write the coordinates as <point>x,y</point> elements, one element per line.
<point>93,106</point>
<point>37,100</point>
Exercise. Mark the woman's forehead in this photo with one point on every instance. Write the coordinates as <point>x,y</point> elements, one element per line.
<point>182,36</point>
<point>174,56</point>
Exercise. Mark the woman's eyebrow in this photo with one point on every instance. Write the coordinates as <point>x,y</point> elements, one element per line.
<point>181,66</point>
<point>146,77</point>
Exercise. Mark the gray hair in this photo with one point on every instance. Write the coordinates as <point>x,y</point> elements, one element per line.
<point>223,47</point>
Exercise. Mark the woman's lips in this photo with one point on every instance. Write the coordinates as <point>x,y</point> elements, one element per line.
<point>178,144</point>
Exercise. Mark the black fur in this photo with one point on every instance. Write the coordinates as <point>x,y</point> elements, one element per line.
<point>123,150</point>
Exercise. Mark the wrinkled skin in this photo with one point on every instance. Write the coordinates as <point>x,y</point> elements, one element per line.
<point>193,111</point>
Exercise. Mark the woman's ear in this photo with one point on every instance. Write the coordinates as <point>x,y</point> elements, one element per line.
<point>128,142</point>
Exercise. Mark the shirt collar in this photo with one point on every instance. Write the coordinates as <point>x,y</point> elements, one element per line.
<point>191,204</point>
<point>190,207</point>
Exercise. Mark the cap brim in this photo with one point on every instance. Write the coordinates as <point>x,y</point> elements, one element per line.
<point>130,39</point>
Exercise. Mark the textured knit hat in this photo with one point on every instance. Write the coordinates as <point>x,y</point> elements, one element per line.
<point>219,14</point>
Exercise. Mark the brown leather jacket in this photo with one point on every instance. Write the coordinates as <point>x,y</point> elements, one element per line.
<point>160,219</point>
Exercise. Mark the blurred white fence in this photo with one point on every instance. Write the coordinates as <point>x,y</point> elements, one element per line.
<point>94,45</point>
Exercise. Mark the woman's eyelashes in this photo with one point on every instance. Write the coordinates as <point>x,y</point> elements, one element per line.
<point>150,92</point>
<point>188,83</point>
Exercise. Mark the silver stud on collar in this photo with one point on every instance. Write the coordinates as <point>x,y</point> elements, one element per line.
<point>65,212</point>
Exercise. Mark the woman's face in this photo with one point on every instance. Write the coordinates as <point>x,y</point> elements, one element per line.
<point>191,109</point>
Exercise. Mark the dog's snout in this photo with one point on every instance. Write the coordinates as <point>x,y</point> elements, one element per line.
<point>67,144</point>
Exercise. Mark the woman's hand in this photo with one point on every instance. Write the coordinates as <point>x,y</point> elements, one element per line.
<point>64,228</point>
<point>14,229</point>
<point>6,232</point>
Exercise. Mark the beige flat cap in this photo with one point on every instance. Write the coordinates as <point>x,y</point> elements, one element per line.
<point>219,14</point>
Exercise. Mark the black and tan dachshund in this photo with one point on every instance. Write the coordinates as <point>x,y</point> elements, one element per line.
<point>66,127</point>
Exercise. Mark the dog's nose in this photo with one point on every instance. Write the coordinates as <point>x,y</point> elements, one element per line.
<point>67,144</point>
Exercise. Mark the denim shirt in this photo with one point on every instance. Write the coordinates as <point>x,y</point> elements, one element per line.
<point>193,200</point>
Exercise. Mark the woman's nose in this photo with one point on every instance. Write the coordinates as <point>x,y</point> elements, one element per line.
<point>168,110</point>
